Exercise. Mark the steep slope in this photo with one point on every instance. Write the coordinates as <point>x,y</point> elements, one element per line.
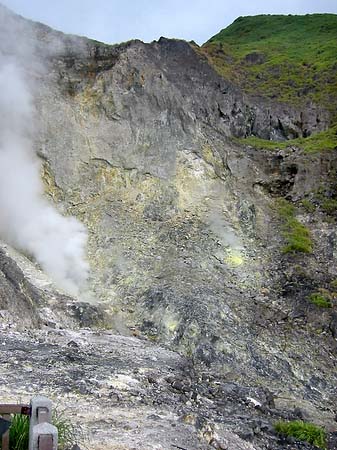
<point>29,300</point>
<point>287,58</point>
<point>185,243</point>
<point>190,244</point>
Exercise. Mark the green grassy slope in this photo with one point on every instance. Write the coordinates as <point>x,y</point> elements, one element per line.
<point>325,140</point>
<point>292,59</point>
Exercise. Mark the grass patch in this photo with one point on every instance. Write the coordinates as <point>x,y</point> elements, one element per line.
<point>308,205</point>
<point>303,431</point>
<point>19,432</point>
<point>289,58</point>
<point>285,209</point>
<point>67,433</point>
<point>325,140</point>
<point>298,238</point>
<point>329,206</point>
<point>296,235</point>
<point>320,300</point>
<point>333,283</point>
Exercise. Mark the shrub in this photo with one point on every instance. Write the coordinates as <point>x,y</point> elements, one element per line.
<point>303,431</point>
<point>320,300</point>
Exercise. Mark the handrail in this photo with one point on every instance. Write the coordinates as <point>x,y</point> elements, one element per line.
<point>6,409</point>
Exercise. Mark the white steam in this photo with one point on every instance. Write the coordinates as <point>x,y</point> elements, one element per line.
<point>27,220</point>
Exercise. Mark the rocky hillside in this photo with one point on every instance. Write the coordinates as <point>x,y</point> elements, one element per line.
<point>288,58</point>
<point>200,240</point>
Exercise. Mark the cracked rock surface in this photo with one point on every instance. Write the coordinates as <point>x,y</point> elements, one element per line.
<point>124,392</point>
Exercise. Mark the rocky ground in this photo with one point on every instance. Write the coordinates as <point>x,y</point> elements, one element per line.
<point>126,393</point>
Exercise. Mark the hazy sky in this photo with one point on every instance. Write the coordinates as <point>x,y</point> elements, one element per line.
<point>115,21</point>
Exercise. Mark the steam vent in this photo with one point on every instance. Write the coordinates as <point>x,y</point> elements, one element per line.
<point>168,253</point>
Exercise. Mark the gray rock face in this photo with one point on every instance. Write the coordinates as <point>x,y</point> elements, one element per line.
<point>185,243</point>
<point>28,299</point>
<point>18,298</point>
<point>137,106</point>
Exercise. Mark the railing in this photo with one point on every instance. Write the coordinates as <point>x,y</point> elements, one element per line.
<point>42,434</point>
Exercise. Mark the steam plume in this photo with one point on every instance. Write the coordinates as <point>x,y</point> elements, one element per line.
<point>27,220</point>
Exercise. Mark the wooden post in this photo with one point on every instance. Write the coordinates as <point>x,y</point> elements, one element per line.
<point>5,441</point>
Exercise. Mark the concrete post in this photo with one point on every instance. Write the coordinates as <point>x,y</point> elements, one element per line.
<point>42,434</point>
<point>43,437</point>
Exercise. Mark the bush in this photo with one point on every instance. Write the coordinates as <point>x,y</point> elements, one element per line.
<point>303,431</point>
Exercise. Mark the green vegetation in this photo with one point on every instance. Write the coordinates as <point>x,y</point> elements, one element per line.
<point>303,431</point>
<point>19,432</point>
<point>67,433</point>
<point>297,235</point>
<point>325,140</point>
<point>333,283</point>
<point>319,299</point>
<point>285,209</point>
<point>288,58</point>
<point>329,205</point>
<point>324,200</point>
<point>308,205</point>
